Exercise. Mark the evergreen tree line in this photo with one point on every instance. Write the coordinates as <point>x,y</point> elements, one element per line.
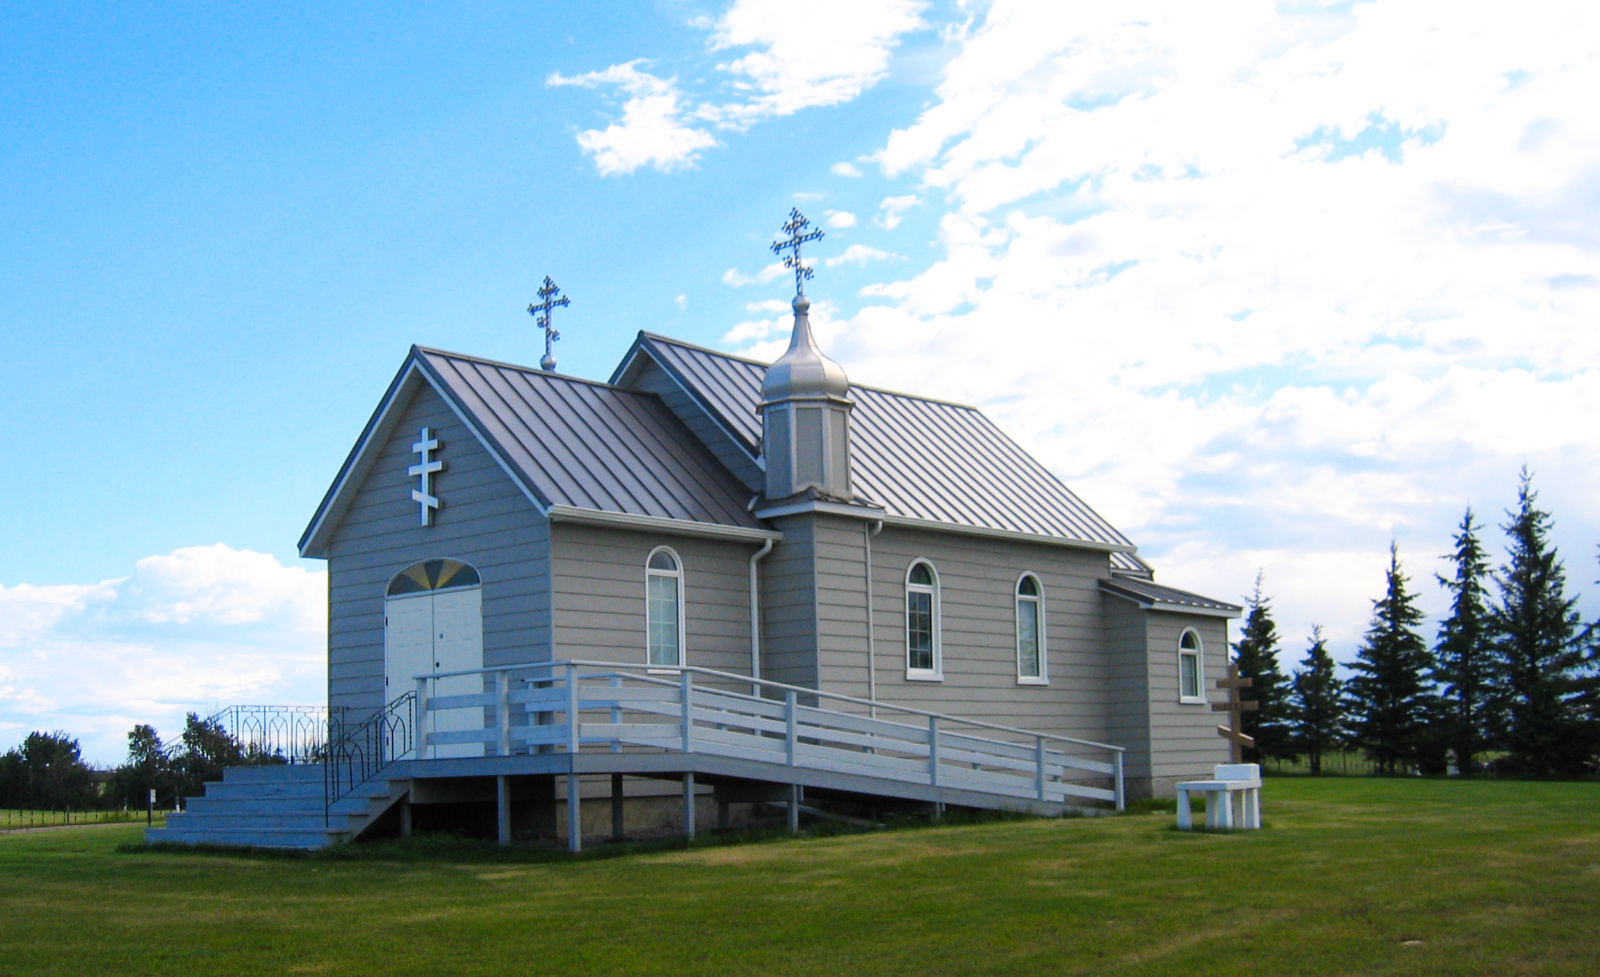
<point>1510,681</point>
<point>47,771</point>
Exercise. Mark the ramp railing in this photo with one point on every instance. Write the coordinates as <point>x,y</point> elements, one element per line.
<point>359,752</point>
<point>568,706</point>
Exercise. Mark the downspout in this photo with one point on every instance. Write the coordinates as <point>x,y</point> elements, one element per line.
<point>755,615</point>
<point>872,650</point>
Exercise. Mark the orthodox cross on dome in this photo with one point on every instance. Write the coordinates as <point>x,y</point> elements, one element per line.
<point>540,311</point>
<point>796,229</point>
<point>1237,707</point>
<point>425,469</point>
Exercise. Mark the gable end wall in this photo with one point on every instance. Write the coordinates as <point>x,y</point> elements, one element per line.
<point>485,520</point>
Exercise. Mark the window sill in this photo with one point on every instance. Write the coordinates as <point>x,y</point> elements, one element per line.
<point>663,669</point>
<point>924,676</point>
<point>1032,681</point>
<point>1187,700</point>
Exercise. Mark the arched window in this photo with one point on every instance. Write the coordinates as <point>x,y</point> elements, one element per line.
<point>922,622</point>
<point>1190,670</point>
<point>432,575</point>
<point>1030,631</point>
<point>663,599</point>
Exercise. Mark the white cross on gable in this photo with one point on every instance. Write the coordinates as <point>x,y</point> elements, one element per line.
<point>425,469</point>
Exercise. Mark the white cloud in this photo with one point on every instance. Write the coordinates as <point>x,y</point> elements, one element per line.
<point>1267,287</point>
<point>682,302</point>
<point>739,279</point>
<point>192,630</point>
<point>839,219</point>
<point>845,169</point>
<point>825,52</point>
<point>651,132</point>
<point>820,53</point>
<point>893,210</point>
<point>858,254</point>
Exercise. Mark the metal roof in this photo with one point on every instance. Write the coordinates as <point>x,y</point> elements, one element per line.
<point>918,458</point>
<point>591,445</point>
<point>1150,593</point>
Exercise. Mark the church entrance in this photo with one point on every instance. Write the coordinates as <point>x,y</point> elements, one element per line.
<point>433,624</point>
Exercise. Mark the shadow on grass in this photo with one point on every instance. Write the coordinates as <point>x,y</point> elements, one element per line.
<point>457,848</point>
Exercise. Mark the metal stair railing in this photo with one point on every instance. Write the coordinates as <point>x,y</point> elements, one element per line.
<point>358,753</point>
<point>541,706</point>
<point>298,734</point>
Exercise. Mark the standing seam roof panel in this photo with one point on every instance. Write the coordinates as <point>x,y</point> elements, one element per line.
<point>918,457</point>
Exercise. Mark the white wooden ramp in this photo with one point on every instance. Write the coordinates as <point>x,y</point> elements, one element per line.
<point>590,717</point>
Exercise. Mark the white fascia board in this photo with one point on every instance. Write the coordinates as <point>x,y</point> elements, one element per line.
<point>1170,608</point>
<point>659,524</point>
<point>951,527</point>
<point>931,525</point>
<point>371,445</point>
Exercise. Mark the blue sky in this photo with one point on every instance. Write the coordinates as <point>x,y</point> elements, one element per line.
<point>1268,287</point>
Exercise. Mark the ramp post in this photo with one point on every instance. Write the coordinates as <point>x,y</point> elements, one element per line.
<point>574,814</point>
<point>794,806</point>
<point>790,726</point>
<point>502,799</point>
<point>1038,772</point>
<point>688,804</point>
<point>1117,759</point>
<point>933,751</point>
<point>616,807</point>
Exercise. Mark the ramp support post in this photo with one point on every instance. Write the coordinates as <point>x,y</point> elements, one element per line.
<point>794,807</point>
<point>574,814</point>
<point>616,807</point>
<point>502,803</point>
<point>688,804</point>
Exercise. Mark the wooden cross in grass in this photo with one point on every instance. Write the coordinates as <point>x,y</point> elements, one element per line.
<point>1234,731</point>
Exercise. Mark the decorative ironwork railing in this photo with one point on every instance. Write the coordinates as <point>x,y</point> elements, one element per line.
<point>298,734</point>
<point>359,752</point>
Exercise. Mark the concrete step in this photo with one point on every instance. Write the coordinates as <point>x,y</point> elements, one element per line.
<point>262,805</point>
<point>307,790</point>
<point>214,821</point>
<point>277,774</point>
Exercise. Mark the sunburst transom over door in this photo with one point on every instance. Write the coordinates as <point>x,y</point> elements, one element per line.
<point>433,623</point>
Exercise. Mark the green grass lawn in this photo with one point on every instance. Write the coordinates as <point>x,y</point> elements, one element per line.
<point>1351,876</point>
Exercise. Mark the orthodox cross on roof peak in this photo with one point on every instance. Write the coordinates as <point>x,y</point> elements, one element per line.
<point>541,315</point>
<point>795,227</point>
<point>1237,707</point>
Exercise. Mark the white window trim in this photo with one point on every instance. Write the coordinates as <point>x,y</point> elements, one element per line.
<point>1199,654</point>
<point>1043,678</point>
<point>936,673</point>
<point>677,575</point>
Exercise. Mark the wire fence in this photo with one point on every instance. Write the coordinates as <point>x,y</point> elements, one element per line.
<point>12,819</point>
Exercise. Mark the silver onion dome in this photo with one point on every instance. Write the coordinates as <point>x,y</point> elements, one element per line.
<point>804,372</point>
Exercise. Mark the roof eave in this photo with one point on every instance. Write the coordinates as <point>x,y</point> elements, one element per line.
<point>660,524</point>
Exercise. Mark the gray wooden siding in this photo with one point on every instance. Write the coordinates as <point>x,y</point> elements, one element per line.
<point>653,379</point>
<point>600,604</point>
<point>1183,739</point>
<point>485,521</point>
<point>1128,687</point>
<point>977,579</point>
<point>789,606</point>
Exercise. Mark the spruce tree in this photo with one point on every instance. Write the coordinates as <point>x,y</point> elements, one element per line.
<point>1256,654</point>
<point>1462,656</point>
<point>1316,704</point>
<point>1389,696</point>
<point>1539,647</point>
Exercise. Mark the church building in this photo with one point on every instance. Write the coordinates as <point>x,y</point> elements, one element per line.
<point>775,521</point>
<point>762,576</point>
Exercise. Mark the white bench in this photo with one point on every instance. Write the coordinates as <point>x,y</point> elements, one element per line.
<point>1233,798</point>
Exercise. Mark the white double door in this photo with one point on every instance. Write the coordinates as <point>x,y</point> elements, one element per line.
<point>431,633</point>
